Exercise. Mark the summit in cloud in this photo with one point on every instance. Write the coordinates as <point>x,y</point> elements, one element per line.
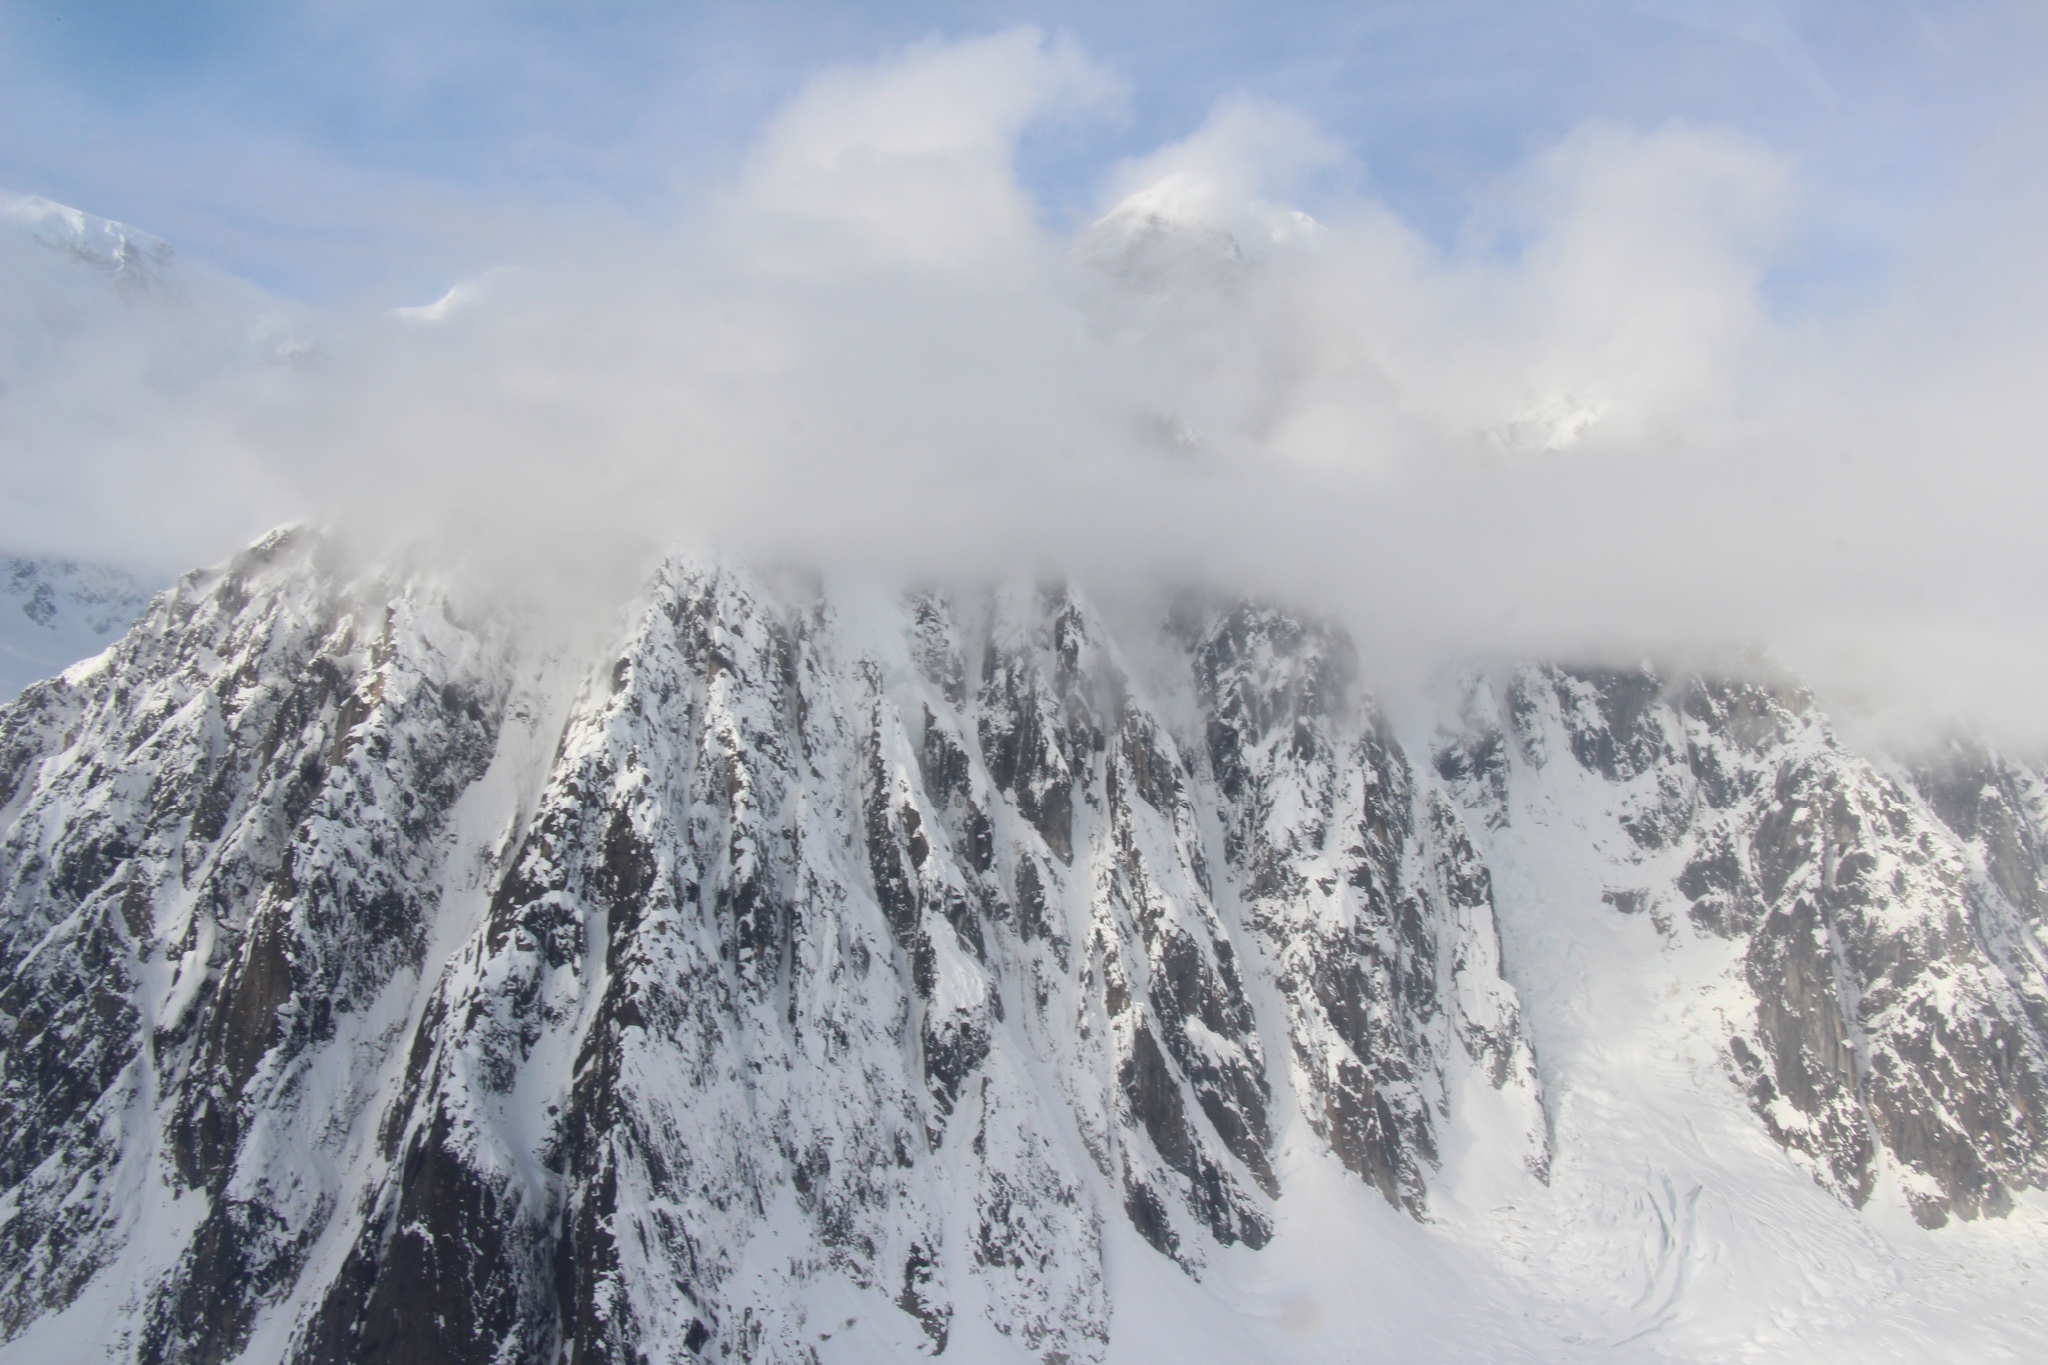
<point>1302,694</point>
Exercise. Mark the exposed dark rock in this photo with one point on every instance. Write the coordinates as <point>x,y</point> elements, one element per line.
<point>1899,992</point>
<point>1613,719</point>
<point>453,1273</point>
<point>1364,906</point>
<point>744,973</point>
<point>1811,1062</point>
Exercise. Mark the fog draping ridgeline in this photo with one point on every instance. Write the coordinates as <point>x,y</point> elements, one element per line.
<point>1586,424</point>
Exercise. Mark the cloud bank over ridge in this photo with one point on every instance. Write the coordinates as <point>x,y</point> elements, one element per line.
<point>1582,428</point>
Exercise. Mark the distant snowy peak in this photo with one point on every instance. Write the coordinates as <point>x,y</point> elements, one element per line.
<point>457,298</point>
<point>462,297</point>
<point>107,600</point>
<point>133,259</point>
<point>1181,229</point>
<point>56,611</point>
<point>76,280</point>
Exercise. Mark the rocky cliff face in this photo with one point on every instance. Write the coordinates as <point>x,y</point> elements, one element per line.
<point>1368,895</point>
<point>876,967</point>
<point>1884,920</point>
<point>819,976</point>
<point>220,847</point>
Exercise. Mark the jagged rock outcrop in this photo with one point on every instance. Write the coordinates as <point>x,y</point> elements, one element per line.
<point>386,986</point>
<point>216,846</point>
<point>816,982</point>
<point>1368,893</point>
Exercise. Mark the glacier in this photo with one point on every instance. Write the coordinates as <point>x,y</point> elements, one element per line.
<point>776,967</point>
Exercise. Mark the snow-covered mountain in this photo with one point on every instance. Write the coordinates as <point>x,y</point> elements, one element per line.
<point>101,324</point>
<point>75,278</point>
<point>111,343</point>
<point>820,974</point>
<point>129,258</point>
<point>54,612</point>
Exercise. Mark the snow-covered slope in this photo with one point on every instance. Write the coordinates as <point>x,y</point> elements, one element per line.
<point>54,612</point>
<point>128,258</point>
<point>1875,949</point>
<point>818,974</point>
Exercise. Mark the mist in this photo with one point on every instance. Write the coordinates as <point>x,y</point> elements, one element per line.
<point>1586,426</point>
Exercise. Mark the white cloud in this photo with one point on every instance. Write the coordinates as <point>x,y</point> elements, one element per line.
<point>1580,430</point>
<point>1247,154</point>
<point>909,162</point>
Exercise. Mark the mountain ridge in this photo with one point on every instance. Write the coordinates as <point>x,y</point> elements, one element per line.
<point>795,983</point>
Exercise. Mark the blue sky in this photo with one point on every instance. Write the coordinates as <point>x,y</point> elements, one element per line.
<point>330,150</point>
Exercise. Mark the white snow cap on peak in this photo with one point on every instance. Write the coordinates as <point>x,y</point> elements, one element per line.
<point>128,255</point>
<point>1233,173</point>
<point>1203,207</point>
<point>1188,201</point>
<point>1187,221</point>
<point>459,296</point>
